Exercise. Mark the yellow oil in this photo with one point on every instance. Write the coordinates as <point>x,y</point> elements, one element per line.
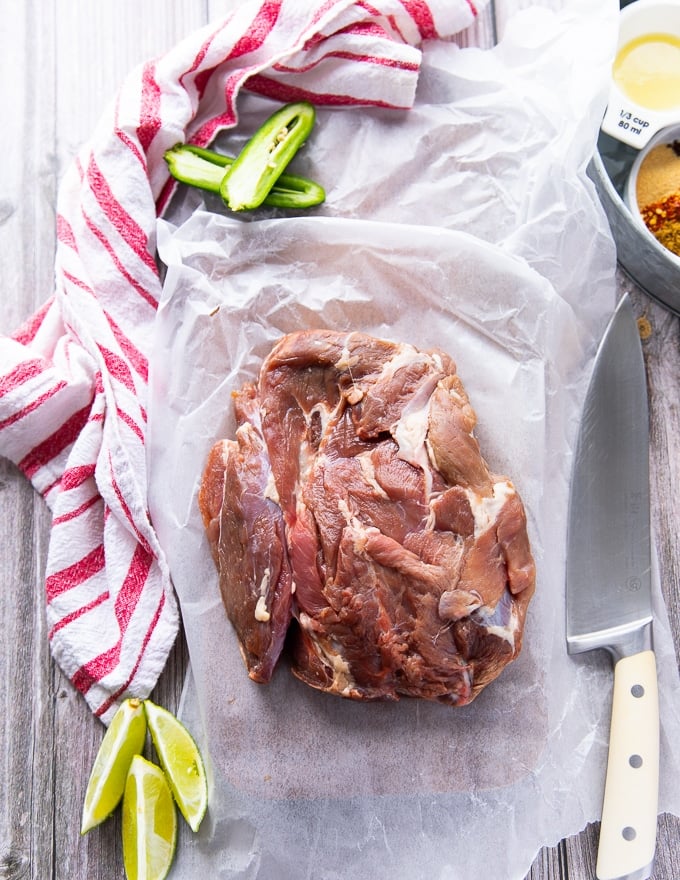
<point>647,70</point>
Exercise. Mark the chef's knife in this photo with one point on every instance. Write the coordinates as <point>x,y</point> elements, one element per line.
<point>609,589</point>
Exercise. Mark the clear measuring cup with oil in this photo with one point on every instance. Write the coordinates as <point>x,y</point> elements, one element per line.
<point>645,89</point>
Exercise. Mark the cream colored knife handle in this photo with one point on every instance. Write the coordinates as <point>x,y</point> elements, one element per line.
<point>628,830</point>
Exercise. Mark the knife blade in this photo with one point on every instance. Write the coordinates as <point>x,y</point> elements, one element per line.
<point>608,581</point>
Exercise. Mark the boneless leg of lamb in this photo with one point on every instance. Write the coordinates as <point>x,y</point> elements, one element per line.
<point>354,516</point>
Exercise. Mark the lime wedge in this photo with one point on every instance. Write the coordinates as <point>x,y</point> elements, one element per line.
<point>123,739</point>
<point>180,758</point>
<point>149,822</point>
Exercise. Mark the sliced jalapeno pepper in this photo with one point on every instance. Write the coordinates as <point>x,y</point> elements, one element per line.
<point>264,158</point>
<point>205,169</point>
<point>190,166</point>
<point>293,191</point>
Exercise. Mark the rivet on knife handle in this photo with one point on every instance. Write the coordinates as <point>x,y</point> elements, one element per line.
<point>628,829</point>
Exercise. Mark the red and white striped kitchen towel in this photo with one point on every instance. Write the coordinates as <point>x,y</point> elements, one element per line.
<point>73,380</point>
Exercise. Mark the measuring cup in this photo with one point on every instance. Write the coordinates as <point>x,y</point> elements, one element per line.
<point>633,115</point>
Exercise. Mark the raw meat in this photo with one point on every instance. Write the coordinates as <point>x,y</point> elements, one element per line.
<point>354,519</point>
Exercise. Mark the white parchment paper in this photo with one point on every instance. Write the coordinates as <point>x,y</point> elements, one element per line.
<point>467,224</point>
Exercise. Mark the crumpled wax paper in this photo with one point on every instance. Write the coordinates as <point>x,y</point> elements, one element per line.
<point>468,224</point>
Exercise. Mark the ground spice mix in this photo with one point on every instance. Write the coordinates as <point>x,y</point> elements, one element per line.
<point>658,194</point>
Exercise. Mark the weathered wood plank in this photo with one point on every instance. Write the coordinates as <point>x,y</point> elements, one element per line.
<point>27,722</point>
<point>549,864</point>
<point>28,183</point>
<point>662,360</point>
<point>27,198</point>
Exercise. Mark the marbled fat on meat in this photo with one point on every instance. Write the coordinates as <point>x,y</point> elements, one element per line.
<point>354,518</point>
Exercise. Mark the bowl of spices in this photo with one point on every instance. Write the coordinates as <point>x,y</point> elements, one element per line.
<point>651,265</point>
<point>653,189</point>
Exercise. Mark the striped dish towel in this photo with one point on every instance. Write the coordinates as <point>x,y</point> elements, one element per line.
<point>73,380</point>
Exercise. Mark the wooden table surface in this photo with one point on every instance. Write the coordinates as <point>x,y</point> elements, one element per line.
<point>60,62</point>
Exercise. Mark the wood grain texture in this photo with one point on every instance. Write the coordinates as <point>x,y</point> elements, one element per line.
<point>60,62</point>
